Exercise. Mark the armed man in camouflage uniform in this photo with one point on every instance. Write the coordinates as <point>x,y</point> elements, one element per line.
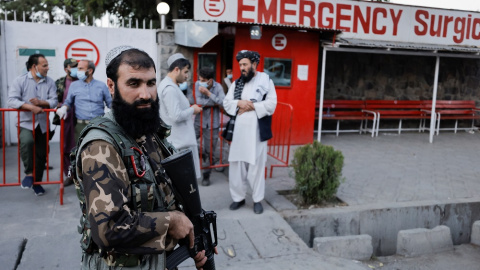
<point>63,84</point>
<point>124,234</point>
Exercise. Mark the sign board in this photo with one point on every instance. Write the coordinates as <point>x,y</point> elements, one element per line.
<point>24,54</point>
<point>82,49</point>
<point>279,42</point>
<point>28,51</point>
<point>214,8</point>
<point>356,19</point>
<point>302,72</point>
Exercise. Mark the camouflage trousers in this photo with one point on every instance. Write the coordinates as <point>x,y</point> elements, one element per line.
<point>149,262</point>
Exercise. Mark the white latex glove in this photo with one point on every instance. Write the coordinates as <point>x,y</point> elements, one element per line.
<point>62,112</point>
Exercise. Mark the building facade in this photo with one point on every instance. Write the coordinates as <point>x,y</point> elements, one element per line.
<point>339,49</point>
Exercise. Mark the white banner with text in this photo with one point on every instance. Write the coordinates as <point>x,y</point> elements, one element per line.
<point>360,20</point>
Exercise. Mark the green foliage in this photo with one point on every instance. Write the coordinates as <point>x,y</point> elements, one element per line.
<point>318,172</point>
<point>72,9</point>
<point>42,8</point>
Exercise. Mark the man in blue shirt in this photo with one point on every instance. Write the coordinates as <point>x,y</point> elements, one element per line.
<point>33,91</point>
<point>89,96</point>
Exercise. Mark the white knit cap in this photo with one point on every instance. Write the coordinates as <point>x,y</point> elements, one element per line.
<point>113,53</point>
<point>174,58</point>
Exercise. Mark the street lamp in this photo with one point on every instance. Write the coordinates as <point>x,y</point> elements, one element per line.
<point>163,9</point>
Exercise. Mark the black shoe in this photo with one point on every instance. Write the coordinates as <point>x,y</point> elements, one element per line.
<point>258,208</point>
<point>219,169</point>
<point>206,182</point>
<point>236,205</point>
<point>68,181</point>
<point>206,179</point>
<point>39,191</point>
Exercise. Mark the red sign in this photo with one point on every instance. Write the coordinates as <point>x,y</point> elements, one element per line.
<point>82,49</point>
<point>214,8</point>
<point>279,42</point>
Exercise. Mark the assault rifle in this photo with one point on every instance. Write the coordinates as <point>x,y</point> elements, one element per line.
<point>180,168</point>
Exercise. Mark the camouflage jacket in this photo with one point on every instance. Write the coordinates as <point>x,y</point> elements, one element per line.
<point>60,83</point>
<point>116,224</point>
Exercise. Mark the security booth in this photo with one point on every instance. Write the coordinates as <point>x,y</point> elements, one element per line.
<point>316,49</point>
<point>289,53</point>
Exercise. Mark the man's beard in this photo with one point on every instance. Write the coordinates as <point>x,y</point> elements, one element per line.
<point>249,76</point>
<point>136,122</point>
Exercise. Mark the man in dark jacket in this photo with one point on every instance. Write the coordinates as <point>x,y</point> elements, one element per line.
<point>63,84</point>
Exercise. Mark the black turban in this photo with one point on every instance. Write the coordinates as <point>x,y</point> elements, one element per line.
<point>252,55</point>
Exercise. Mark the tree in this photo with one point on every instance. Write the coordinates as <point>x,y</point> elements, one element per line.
<point>60,11</point>
<point>36,10</point>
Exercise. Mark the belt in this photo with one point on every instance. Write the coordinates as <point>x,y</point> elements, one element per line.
<point>83,121</point>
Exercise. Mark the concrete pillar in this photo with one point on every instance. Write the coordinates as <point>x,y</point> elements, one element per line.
<point>475,233</point>
<point>420,241</point>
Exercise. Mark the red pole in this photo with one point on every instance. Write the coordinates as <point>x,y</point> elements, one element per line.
<point>34,144</point>
<point>48,144</point>
<point>18,145</point>
<point>61,160</point>
<point>3,147</point>
<point>211,138</point>
<point>220,137</point>
<point>201,141</point>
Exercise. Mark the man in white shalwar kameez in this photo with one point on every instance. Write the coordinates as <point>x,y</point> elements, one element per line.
<point>175,109</point>
<point>251,97</point>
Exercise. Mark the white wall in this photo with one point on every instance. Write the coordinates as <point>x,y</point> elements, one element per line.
<point>16,35</point>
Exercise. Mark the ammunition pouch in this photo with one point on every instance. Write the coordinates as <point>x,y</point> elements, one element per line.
<point>125,260</point>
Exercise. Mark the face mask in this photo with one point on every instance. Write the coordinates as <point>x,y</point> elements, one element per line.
<point>38,74</point>
<point>73,72</point>
<point>81,75</point>
<point>204,84</point>
<point>183,86</point>
<point>230,76</point>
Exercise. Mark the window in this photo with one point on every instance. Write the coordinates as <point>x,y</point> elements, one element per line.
<point>208,60</point>
<point>279,70</point>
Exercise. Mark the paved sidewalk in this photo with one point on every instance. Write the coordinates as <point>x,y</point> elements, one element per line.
<point>406,169</point>
<point>402,168</point>
<point>45,233</point>
<point>383,170</point>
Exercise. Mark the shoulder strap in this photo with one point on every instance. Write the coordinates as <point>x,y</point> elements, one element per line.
<point>102,128</point>
<point>107,130</point>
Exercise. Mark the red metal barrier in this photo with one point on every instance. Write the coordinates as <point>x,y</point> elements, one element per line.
<point>47,181</point>
<point>221,141</point>
<point>279,145</point>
